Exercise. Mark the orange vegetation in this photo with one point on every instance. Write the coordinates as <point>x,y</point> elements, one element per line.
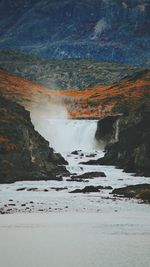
<point>6,144</point>
<point>101,100</point>
<point>92,102</point>
<point>3,139</point>
<point>20,89</point>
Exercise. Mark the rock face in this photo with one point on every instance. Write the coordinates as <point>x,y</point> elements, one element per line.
<point>130,149</point>
<point>102,29</point>
<point>106,129</point>
<point>24,153</point>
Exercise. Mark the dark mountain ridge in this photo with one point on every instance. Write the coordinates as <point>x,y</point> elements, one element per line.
<point>101,29</point>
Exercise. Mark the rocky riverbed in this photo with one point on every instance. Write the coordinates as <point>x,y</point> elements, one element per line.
<point>77,195</point>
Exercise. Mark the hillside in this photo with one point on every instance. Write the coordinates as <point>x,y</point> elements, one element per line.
<point>63,74</point>
<point>21,90</point>
<point>101,29</point>
<point>129,93</point>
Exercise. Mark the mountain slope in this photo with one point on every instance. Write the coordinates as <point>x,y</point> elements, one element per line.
<point>21,90</point>
<point>130,93</point>
<point>101,29</point>
<point>63,74</point>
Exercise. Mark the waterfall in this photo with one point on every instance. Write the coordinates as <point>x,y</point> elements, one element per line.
<point>66,135</point>
<point>117,130</point>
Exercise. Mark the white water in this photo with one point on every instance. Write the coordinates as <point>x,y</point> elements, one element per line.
<point>66,135</point>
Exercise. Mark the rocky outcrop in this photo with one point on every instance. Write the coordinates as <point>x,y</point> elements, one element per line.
<point>130,149</point>
<point>24,153</point>
<point>139,191</point>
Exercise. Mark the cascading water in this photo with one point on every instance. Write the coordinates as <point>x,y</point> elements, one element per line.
<point>66,135</point>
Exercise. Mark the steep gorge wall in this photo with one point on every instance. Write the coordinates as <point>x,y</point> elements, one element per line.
<point>129,142</point>
<point>24,153</point>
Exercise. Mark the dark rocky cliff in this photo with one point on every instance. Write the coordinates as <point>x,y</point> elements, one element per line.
<point>24,153</point>
<point>106,129</point>
<point>129,143</point>
<point>102,29</point>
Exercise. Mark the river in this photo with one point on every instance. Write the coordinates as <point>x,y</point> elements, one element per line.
<point>54,228</point>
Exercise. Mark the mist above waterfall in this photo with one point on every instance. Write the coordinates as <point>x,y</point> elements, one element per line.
<point>64,134</point>
<point>47,107</point>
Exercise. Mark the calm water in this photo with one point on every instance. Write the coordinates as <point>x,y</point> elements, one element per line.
<point>75,240</point>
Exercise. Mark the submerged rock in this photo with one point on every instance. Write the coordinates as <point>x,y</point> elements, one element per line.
<point>24,153</point>
<point>76,152</point>
<point>92,155</point>
<point>78,180</point>
<point>32,189</point>
<point>59,188</point>
<point>91,162</point>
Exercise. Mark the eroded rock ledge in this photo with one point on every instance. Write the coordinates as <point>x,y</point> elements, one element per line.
<point>24,153</point>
